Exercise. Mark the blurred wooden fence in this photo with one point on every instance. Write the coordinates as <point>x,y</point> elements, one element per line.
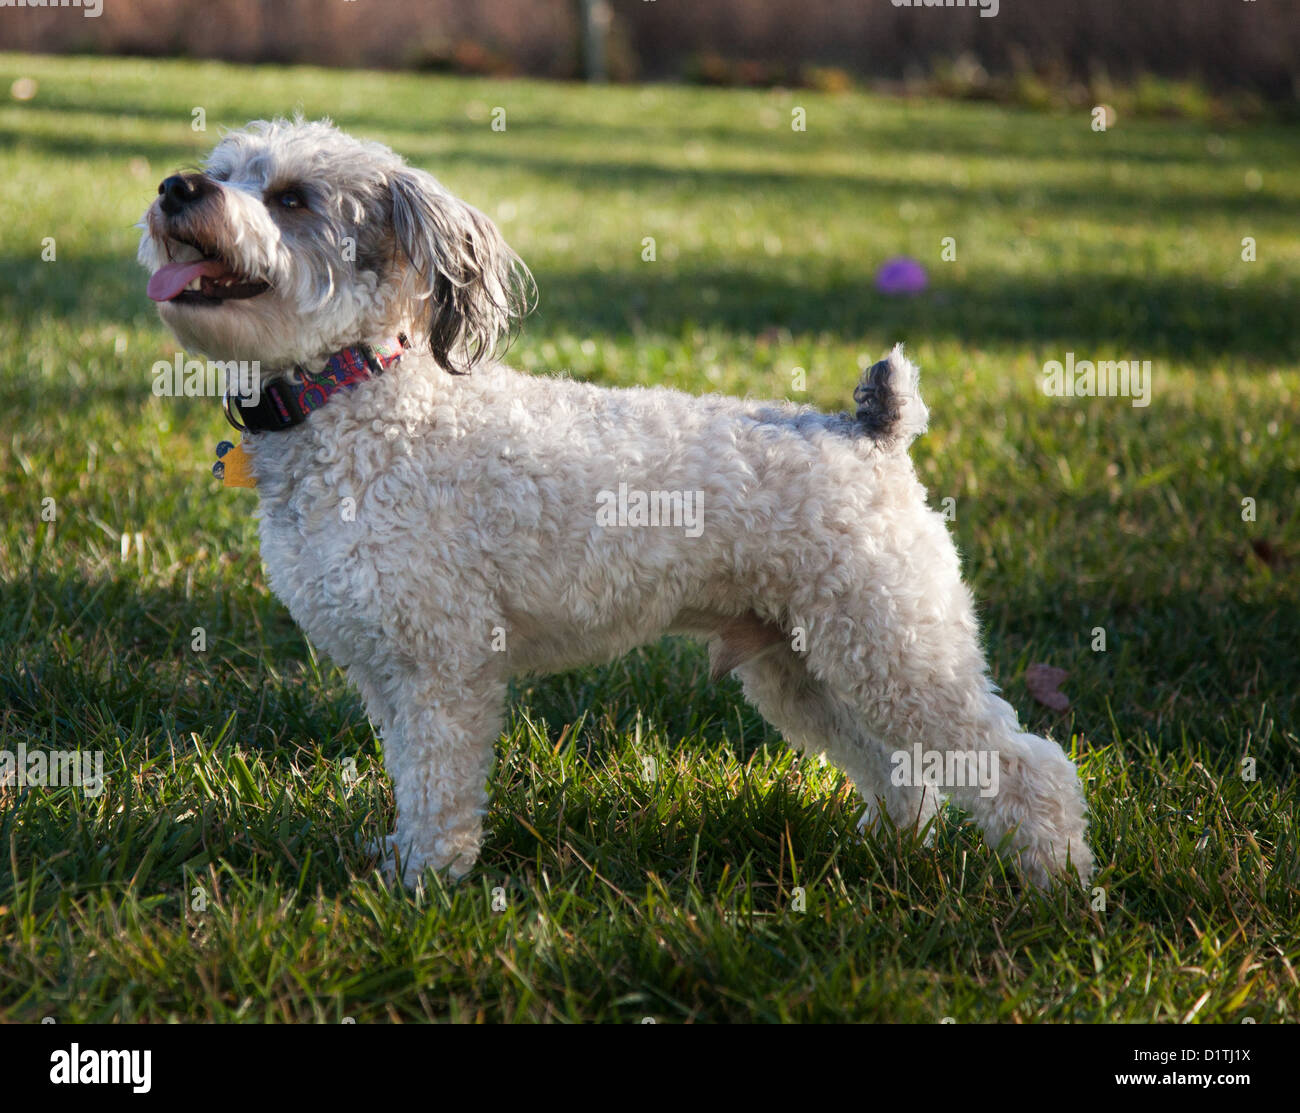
<point>1250,44</point>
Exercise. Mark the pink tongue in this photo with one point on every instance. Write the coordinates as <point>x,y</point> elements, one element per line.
<point>171,278</point>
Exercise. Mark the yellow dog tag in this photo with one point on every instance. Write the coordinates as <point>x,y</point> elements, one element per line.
<point>234,466</point>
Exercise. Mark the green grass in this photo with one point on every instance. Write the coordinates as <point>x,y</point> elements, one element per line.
<point>231,779</point>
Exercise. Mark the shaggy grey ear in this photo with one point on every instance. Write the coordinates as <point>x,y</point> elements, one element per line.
<point>474,286</point>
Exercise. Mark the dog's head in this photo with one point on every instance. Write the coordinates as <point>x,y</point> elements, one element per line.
<point>296,240</point>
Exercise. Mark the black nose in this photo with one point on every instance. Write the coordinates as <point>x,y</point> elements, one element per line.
<point>182,189</point>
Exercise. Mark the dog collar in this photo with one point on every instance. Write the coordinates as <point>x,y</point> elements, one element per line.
<point>284,403</point>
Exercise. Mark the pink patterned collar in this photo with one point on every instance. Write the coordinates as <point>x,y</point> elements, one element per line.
<point>283,403</point>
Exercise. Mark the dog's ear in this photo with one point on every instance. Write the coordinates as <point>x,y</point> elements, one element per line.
<point>469,286</point>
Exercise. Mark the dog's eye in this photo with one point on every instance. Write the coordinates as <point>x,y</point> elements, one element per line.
<point>290,199</point>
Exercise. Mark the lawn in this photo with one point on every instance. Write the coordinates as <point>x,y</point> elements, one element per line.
<point>222,872</point>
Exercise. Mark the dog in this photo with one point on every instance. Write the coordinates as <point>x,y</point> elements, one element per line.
<point>439,523</point>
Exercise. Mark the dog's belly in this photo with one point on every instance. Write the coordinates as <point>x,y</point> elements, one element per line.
<point>549,647</point>
<point>734,636</point>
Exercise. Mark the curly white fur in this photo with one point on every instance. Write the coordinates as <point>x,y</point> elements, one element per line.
<point>438,532</point>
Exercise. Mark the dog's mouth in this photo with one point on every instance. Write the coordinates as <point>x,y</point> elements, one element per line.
<point>203,279</point>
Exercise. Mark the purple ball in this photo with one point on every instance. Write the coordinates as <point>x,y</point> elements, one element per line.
<point>901,276</point>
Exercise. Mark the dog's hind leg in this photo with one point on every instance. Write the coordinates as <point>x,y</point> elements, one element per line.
<point>1016,785</point>
<point>904,653</point>
<point>814,720</point>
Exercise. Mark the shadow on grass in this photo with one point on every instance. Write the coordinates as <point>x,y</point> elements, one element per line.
<point>872,185</point>
<point>952,128</point>
<point>1098,316</point>
<point>85,655</point>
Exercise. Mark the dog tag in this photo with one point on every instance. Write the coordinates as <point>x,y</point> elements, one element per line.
<point>234,466</point>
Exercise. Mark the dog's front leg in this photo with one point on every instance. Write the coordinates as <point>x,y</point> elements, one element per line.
<point>439,733</point>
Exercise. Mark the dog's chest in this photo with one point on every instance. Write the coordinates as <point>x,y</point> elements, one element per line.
<point>317,547</point>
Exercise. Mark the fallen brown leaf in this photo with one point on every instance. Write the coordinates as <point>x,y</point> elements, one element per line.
<point>1267,553</point>
<point>1044,683</point>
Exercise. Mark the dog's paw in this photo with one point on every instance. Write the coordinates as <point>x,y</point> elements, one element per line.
<point>400,860</point>
<point>923,821</point>
<point>1042,863</point>
<point>383,852</point>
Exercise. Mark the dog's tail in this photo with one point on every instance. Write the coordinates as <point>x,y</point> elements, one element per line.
<point>890,409</point>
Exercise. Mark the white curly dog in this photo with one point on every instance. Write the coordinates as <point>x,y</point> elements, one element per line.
<point>438,522</point>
